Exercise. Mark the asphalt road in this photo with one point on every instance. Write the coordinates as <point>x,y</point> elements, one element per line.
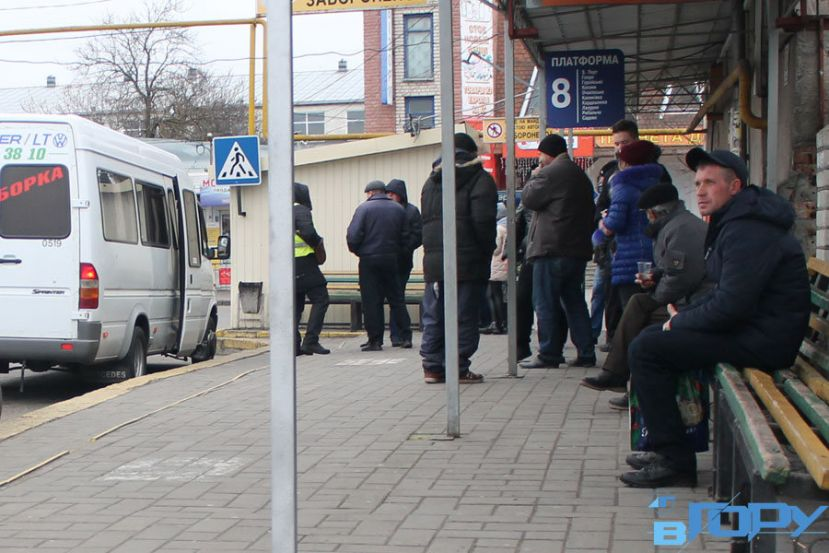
<point>45,388</point>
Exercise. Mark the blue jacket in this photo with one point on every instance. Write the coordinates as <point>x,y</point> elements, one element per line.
<point>627,222</point>
<point>377,228</point>
<point>761,300</point>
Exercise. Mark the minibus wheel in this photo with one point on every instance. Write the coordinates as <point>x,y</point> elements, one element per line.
<point>206,350</point>
<point>135,363</point>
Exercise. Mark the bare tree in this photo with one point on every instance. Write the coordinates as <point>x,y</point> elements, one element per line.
<point>146,82</point>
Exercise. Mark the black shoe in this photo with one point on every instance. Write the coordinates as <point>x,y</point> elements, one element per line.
<point>406,344</point>
<point>315,348</point>
<point>539,362</point>
<point>396,343</point>
<point>364,344</point>
<point>660,475</point>
<point>485,330</point>
<point>372,346</point>
<point>604,348</point>
<point>641,459</point>
<point>620,403</point>
<point>606,381</point>
<point>583,362</point>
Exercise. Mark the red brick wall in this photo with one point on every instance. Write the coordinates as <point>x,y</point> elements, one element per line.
<point>523,67</point>
<point>379,117</point>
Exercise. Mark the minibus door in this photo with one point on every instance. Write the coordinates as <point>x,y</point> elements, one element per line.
<point>184,272</point>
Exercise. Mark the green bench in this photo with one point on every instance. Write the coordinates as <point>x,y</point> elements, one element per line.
<point>771,431</point>
<point>344,289</point>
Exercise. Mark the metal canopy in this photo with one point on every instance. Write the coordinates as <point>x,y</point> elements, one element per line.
<point>669,47</point>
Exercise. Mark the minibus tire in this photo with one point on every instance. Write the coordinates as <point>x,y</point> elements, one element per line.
<point>206,349</point>
<point>135,363</point>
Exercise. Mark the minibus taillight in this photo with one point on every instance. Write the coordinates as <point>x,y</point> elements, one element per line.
<point>89,287</point>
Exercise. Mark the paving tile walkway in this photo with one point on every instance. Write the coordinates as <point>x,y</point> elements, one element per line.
<point>535,470</point>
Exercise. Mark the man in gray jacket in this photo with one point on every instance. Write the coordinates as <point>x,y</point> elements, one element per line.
<point>679,274</point>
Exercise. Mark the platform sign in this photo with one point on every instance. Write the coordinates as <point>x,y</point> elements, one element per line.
<point>236,159</point>
<point>585,88</point>
<point>311,6</point>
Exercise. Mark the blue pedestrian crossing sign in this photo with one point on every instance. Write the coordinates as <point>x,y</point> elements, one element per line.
<point>236,159</point>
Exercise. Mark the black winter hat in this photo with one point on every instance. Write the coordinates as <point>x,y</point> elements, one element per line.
<point>552,145</point>
<point>465,142</point>
<point>658,195</point>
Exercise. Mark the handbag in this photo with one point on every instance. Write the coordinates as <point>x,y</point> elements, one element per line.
<point>694,404</point>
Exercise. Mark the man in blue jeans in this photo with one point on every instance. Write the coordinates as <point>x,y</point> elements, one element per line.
<point>561,196</point>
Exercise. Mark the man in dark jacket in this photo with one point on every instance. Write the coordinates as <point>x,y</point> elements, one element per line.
<point>678,275</point>
<point>309,280</point>
<point>376,235</point>
<point>476,198</point>
<point>561,197</point>
<point>396,190</point>
<point>755,316</point>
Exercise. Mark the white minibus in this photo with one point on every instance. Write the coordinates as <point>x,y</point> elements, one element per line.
<point>103,252</point>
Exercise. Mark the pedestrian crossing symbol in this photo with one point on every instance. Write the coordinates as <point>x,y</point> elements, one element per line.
<point>236,159</point>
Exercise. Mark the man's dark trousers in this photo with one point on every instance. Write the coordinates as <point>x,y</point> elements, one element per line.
<point>318,297</point>
<point>525,311</point>
<point>433,345</point>
<point>657,358</point>
<point>378,281</point>
<point>641,312</point>
<point>559,282</point>
<point>397,334</point>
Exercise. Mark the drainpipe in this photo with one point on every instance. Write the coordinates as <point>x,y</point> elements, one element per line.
<point>514,33</point>
<point>740,76</point>
<point>773,98</point>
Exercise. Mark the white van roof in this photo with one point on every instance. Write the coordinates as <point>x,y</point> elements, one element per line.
<point>89,135</point>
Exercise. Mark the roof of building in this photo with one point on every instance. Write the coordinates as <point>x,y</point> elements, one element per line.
<point>310,88</point>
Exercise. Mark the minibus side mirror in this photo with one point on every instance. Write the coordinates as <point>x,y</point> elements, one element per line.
<point>222,249</point>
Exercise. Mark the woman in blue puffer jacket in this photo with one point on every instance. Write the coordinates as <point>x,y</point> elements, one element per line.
<point>638,172</point>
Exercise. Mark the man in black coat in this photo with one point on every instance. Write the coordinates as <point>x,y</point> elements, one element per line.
<point>476,198</point>
<point>396,190</point>
<point>309,280</point>
<point>755,315</point>
<point>376,234</point>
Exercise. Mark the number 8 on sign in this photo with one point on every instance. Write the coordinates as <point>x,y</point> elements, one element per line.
<point>561,93</point>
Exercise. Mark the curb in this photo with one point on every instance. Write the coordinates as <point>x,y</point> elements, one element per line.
<point>62,409</point>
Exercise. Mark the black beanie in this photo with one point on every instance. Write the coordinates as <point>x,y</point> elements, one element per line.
<point>658,195</point>
<point>465,142</point>
<point>552,145</point>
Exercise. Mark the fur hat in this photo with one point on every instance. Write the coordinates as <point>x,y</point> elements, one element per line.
<point>639,152</point>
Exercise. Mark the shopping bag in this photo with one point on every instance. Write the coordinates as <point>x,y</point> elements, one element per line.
<point>693,400</point>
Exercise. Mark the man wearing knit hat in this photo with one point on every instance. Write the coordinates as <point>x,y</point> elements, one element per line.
<point>561,197</point>
<point>755,316</point>
<point>677,277</point>
<point>376,234</point>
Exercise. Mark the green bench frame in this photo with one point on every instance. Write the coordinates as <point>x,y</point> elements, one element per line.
<point>344,289</point>
<point>771,431</point>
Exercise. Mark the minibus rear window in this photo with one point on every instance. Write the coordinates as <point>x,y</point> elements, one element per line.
<point>34,202</point>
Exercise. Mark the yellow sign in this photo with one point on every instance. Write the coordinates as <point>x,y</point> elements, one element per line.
<point>309,6</point>
<point>495,129</point>
<point>664,140</point>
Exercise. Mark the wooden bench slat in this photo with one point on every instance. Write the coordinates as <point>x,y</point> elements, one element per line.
<point>819,324</point>
<point>813,379</point>
<point>765,451</point>
<point>818,266</point>
<point>815,354</point>
<point>809,404</point>
<point>819,299</point>
<point>807,445</point>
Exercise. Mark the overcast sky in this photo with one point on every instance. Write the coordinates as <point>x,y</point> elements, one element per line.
<point>28,60</point>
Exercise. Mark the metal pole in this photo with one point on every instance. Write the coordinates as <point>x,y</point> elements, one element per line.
<point>772,141</point>
<point>450,261</point>
<point>512,290</point>
<point>281,290</point>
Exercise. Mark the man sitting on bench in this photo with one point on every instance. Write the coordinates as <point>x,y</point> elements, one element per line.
<point>755,316</point>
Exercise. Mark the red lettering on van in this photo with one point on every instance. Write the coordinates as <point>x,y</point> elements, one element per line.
<point>46,176</point>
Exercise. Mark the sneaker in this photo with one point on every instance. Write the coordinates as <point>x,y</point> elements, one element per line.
<point>620,403</point>
<point>605,381</point>
<point>470,378</point>
<point>641,459</point>
<point>539,362</point>
<point>583,362</point>
<point>524,352</point>
<point>659,475</point>
<point>315,348</point>
<point>433,378</point>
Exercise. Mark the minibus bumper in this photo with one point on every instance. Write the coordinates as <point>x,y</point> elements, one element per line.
<point>82,349</point>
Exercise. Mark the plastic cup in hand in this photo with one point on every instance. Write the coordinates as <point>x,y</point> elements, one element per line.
<point>644,268</point>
